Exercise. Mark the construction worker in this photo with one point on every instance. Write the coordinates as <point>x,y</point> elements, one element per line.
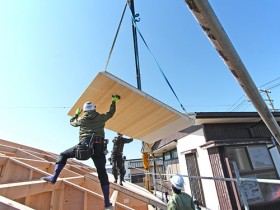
<point>117,157</point>
<point>179,200</point>
<point>91,125</point>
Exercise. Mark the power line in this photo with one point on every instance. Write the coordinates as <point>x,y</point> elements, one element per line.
<point>35,107</point>
<point>242,103</point>
<point>270,82</point>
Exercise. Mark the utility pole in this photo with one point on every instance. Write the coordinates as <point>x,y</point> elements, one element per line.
<point>134,32</point>
<point>268,98</point>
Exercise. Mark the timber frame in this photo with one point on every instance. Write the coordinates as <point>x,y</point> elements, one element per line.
<point>77,187</point>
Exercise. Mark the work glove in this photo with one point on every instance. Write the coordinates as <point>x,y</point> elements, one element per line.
<point>115,98</point>
<point>78,111</point>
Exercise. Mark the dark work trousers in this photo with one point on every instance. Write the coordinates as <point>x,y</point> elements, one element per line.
<point>98,158</point>
<point>117,164</point>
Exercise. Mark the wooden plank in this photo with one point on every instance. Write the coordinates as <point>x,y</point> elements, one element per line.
<point>6,203</point>
<point>40,201</point>
<point>138,115</point>
<point>73,199</point>
<point>4,148</point>
<point>23,189</point>
<point>20,146</point>
<point>150,207</point>
<point>7,153</point>
<point>114,198</point>
<point>3,160</point>
<point>27,155</point>
<point>124,206</point>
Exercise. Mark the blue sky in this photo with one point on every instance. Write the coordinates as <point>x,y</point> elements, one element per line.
<point>51,50</point>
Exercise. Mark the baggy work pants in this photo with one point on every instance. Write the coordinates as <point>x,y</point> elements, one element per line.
<point>98,158</point>
<point>117,164</point>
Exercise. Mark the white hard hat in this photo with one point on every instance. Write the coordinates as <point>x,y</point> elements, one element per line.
<point>177,181</point>
<point>88,106</point>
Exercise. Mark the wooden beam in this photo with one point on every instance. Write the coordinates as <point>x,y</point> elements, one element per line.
<point>8,149</point>
<point>124,206</point>
<point>114,198</point>
<point>23,189</point>
<point>9,204</point>
<point>150,207</point>
<point>3,160</point>
<point>34,163</point>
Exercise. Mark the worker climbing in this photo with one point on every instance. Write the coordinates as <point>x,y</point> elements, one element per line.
<point>92,133</point>
<point>117,157</point>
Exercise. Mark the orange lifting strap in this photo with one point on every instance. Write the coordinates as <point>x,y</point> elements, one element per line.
<point>146,161</point>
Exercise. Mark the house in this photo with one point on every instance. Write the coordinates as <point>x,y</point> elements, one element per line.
<point>211,147</point>
<point>136,171</point>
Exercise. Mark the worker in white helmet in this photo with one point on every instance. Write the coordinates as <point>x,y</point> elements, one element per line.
<point>91,133</point>
<point>179,200</point>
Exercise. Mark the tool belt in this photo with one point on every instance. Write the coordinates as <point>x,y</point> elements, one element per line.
<point>84,150</point>
<point>100,140</point>
<point>97,139</point>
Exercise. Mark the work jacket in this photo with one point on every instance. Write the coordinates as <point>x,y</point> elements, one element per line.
<point>181,201</point>
<point>93,122</point>
<point>118,145</point>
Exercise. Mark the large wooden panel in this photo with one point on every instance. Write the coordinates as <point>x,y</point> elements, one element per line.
<point>138,114</point>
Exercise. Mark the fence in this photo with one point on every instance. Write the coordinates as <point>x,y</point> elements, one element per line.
<point>240,184</point>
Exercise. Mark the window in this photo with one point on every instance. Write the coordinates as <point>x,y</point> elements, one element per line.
<point>137,178</point>
<point>167,155</point>
<point>174,153</point>
<point>250,158</point>
<point>239,155</point>
<point>260,157</point>
<point>255,162</point>
<point>136,164</point>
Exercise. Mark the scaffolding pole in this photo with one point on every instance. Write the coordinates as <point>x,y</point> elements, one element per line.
<point>211,26</point>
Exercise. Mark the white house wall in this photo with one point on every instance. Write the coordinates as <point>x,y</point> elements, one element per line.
<point>193,141</point>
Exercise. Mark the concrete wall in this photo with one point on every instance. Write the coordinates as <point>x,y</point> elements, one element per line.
<point>190,142</point>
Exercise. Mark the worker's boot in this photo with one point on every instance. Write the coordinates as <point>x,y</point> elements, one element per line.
<point>116,178</point>
<point>52,178</point>
<point>122,178</point>
<point>106,192</point>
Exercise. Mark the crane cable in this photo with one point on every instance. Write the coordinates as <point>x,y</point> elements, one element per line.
<point>113,44</point>
<point>134,22</point>
<point>110,53</point>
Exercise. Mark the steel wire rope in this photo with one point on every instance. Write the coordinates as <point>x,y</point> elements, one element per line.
<point>115,38</point>
<point>140,34</point>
